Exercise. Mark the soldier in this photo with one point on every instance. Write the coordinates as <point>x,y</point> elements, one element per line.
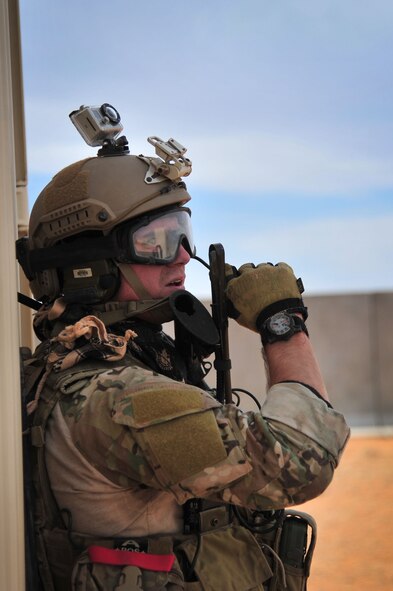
<point>132,450</point>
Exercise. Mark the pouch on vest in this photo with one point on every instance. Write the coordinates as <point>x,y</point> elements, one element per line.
<point>289,549</point>
<point>228,559</point>
<point>89,574</point>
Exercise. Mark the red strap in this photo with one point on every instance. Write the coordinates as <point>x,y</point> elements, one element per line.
<point>159,562</point>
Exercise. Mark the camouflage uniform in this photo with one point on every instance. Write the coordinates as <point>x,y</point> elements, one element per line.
<point>127,446</point>
<point>124,432</point>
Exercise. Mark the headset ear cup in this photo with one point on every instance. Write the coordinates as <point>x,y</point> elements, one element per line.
<point>45,285</point>
<point>94,282</point>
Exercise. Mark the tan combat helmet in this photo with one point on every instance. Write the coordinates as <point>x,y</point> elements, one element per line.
<point>83,204</point>
<point>100,193</point>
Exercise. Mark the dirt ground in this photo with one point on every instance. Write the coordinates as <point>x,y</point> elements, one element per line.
<point>355,521</point>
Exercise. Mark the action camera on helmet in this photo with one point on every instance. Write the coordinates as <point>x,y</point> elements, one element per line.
<point>97,124</point>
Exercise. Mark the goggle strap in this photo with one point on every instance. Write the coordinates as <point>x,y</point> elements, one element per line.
<point>134,281</point>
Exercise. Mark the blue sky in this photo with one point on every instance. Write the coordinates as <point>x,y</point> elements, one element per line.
<point>286,108</point>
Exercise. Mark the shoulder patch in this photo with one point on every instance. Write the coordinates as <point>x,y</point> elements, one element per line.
<point>174,428</point>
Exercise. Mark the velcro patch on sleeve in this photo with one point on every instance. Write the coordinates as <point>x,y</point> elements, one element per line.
<point>174,425</point>
<point>185,446</point>
<point>156,402</point>
<point>164,403</point>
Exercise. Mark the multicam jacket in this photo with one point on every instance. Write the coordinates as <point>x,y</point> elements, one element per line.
<point>126,446</point>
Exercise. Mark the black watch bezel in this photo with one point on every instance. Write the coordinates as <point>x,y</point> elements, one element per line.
<point>271,335</point>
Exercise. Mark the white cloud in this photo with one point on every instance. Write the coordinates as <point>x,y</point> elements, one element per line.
<point>51,157</point>
<point>245,162</point>
<point>332,254</point>
<point>274,162</point>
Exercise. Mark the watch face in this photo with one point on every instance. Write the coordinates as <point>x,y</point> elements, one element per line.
<point>280,323</point>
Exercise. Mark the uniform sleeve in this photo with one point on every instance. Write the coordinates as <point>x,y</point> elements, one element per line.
<point>294,445</point>
<point>143,429</point>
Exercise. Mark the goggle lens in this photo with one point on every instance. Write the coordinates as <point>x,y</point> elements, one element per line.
<point>159,240</point>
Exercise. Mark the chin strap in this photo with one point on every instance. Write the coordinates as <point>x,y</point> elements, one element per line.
<point>153,311</point>
<point>133,280</point>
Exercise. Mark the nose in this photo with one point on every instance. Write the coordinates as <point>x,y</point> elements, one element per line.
<point>182,257</point>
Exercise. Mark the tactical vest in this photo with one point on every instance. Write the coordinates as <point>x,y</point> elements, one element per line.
<point>222,548</point>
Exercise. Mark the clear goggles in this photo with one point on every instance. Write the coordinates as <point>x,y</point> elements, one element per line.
<point>156,239</point>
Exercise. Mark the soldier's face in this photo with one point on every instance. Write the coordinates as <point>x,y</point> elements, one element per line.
<point>159,280</point>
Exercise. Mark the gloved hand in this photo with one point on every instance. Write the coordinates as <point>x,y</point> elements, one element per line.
<point>257,292</point>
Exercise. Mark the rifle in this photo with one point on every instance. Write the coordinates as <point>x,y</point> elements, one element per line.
<point>197,334</point>
<point>222,362</point>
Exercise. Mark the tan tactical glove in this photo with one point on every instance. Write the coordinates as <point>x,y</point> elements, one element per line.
<point>258,292</point>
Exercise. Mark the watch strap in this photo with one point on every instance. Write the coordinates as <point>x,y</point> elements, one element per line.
<point>289,305</point>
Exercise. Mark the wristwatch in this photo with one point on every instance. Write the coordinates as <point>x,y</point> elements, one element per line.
<point>281,327</point>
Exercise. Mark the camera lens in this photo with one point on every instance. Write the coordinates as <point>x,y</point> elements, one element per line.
<point>110,112</point>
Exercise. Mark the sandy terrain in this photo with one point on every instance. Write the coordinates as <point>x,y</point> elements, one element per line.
<point>355,521</point>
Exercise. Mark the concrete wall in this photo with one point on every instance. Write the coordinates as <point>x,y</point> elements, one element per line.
<point>353,339</point>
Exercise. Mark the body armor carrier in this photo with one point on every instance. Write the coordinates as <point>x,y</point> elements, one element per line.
<point>274,557</point>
